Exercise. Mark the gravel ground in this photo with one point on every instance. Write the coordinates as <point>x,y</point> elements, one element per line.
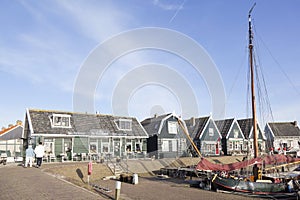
<point>148,187</point>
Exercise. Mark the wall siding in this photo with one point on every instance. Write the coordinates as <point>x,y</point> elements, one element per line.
<point>81,145</point>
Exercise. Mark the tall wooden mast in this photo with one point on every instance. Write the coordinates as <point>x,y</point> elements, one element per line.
<point>255,135</point>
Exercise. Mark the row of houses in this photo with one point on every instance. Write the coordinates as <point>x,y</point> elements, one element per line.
<point>71,135</point>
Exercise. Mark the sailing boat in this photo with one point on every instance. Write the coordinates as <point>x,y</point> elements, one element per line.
<point>253,185</point>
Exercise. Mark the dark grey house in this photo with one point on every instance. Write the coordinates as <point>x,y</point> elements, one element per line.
<point>232,136</point>
<point>205,135</point>
<point>166,137</point>
<point>282,135</point>
<point>68,133</point>
<point>246,126</point>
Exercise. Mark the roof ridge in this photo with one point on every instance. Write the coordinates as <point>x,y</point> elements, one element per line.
<point>80,113</point>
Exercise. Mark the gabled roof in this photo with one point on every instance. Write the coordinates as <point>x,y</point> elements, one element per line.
<point>195,126</point>
<point>153,125</point>
<point>7,129</point>
<point>224,126</point>
<point>11,133</point>
<point>280,129</point>
<point>83,124</point>
<point>246,127</point>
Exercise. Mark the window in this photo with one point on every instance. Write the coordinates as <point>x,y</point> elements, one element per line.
<point>105,147</point>
<point>211,132</point>
<point>124,124</point>
<point>208,147</point>
<point>241,145</point>
<point>49,146</point>
<point>230,145</point>
<point>137,147</point>
<point>236,145</point>
<point>174,145</point>
<point>172,127</point>
<point>128,147</point>
<point>93,147</point>
<point>235,133</point>
<point>165,145</point>
<point>60,121</point>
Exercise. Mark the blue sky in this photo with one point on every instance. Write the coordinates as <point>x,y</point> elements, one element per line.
<point>44,44</point>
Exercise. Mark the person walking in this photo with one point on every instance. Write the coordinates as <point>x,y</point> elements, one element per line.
<point>39,154</point>
<point>29,156</point>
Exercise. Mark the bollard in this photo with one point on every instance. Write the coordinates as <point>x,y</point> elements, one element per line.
<point>135,179</point>
<point>118,190</point>
<point>90,169</point>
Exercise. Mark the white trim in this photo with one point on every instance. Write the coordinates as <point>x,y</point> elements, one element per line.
<point>271,131</point>
<point>54,115</point>
<point>259,129</point>
<point>117,123</point>
<point>162,121</point>
<point>210,142</point>
<point>29,121</point>
<point>235,121</point>
<point>203,128</point>
<point>210,119</point>
<point>74,136</point>
<point>147,135</point>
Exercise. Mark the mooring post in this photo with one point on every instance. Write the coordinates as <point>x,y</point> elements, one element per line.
<point>90,169</point>
<point>118,190</point>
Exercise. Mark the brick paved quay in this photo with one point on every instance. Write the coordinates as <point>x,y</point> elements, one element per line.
<point>17,182</point>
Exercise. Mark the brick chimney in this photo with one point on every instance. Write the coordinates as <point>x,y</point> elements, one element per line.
<point>193,121</point>
<point>19,122</point>
<point>295,123</point>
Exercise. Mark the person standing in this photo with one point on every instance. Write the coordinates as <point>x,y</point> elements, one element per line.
<point>39,154</point>
<point>29,156</point>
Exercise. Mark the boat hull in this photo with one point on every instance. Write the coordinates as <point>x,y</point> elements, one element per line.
<point>278,190</point>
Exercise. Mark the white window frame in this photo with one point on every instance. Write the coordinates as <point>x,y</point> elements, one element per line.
<point>211,132</point>
<point>236,145</point>
<point>235,133</point>
<point>63,119</point>
<point>165,146</point>
<point>208,147</point>
<point>230,145</point>
<point>129,144</point>
<point>92,144</point>
<point>49,146</point>
<point>135,147</point>
<point>124,124</point>
<point>105,144</point>
<point>172,127</point>
<point>174,145</point>
<point>242,145</point>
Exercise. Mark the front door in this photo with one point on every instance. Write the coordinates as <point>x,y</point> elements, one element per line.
<point>117,148</point>
<point>217,148</point>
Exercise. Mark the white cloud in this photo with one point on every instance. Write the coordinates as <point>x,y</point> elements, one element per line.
<point>97,22</point>
<point>168,6</point>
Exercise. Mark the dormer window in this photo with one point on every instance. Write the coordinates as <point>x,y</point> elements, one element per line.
<point>60,121</point>
<point>172,127</point>
<point>124,124</point>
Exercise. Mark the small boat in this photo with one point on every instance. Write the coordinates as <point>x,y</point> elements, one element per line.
<point>257,189</point>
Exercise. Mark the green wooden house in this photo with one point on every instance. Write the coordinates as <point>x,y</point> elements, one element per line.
<point>71,135</point>
<point>205,135</point>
